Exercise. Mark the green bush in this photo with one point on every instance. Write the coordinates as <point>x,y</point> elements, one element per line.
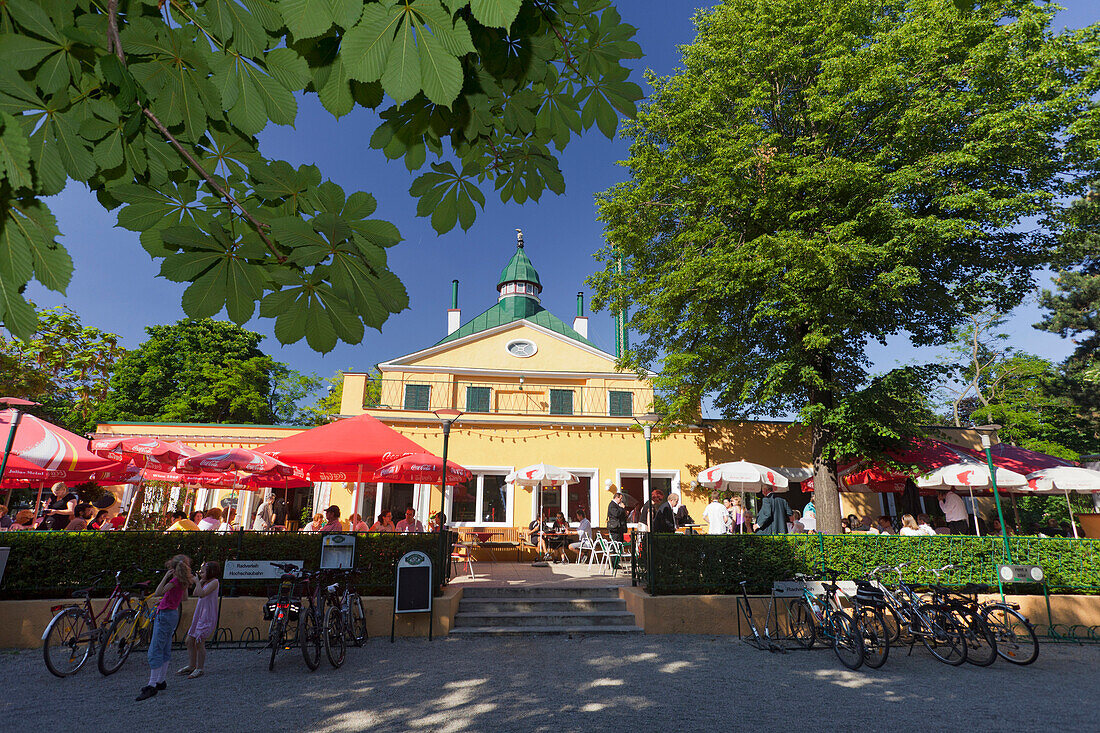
<point>696,564</point>
<point>53,564</point>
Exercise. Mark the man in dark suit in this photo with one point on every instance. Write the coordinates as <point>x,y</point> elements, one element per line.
<point>616,517</point>
<point>660,519</point>
<point>773,515</point>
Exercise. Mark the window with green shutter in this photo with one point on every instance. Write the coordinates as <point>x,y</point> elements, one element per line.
<point>561,402</point>
<point>477,399</point>
<point>621,404</point>
<point>416,396</point>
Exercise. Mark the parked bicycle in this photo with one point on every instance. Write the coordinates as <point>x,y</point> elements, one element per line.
<point>131,629</point>
<point>981,644</point>
<point>1008,633</point>
<point>285,609</point>
<point>932,623</point>
<point>73,634</point>
<point>811,612</point>
<point>344,618</point>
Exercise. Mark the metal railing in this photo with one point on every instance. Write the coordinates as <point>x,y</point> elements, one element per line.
<point>527,397</point>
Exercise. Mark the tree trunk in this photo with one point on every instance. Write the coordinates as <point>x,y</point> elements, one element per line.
<point>826,492</point>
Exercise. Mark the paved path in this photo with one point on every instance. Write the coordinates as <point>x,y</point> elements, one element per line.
<point>649,683</point>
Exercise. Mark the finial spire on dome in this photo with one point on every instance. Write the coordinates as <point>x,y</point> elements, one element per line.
<point>519,238</point>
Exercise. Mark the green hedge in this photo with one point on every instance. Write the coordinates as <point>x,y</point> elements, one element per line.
<point>695,564</point>
<point>53,564</point>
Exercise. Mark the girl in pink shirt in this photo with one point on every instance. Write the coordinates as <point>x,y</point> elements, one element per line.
<point>174,586</point>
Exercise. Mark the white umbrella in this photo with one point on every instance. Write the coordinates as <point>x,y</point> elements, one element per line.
<point>742,476</point>
<point>539,475</point>
<point>971,475</point>
<point>1065,479</point>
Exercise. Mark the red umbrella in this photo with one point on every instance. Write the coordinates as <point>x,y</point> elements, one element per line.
<point>343,450</point>
<point>142,450</point>
<point>256,481</point>
<point>54,448</point>
<point>421,468</point>
<point>152,454</point>
<point>235,459</point>
<point>1020,460</point>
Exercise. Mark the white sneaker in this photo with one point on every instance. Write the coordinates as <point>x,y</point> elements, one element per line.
<point>195,674</point>
<point>185,670</point>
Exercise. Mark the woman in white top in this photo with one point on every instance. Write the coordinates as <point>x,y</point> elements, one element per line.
<point>909,527</point>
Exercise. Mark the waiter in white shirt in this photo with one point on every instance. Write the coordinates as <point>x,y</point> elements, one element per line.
<point>716,516</point>
<point>954,512</point>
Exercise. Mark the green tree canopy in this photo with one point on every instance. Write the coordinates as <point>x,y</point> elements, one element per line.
<point>156,106</point>
<point>64,365</point>
<point>818,175</point>
<point>203,371</point>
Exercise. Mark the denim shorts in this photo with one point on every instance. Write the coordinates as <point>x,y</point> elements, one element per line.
<point>160,646</point>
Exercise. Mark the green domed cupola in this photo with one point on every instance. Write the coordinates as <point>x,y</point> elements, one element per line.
<point>519,278</point>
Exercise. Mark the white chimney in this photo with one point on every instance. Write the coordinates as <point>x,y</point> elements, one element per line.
<point>580,323</point>
<point>454,315</point>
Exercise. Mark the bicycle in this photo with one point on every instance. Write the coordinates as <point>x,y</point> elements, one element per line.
<point>351,610</point>
<point>285,609</point>
<point>1012,633</point>
<point>337,620</point>
<point>131,629</point>
<point>981,643</point>
<point>311,619</point>
<point>73,633</point>
<point>933,624</point>
<point>811,611</point>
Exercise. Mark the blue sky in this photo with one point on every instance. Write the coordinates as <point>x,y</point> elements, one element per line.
<point>116,288</point>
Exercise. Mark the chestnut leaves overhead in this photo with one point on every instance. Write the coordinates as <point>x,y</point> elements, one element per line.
<point>164,130</point>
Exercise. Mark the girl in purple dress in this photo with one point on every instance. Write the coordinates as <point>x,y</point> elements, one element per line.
<point>205,620</point>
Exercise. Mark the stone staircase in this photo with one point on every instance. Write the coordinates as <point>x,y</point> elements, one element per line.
<point>542,610</point>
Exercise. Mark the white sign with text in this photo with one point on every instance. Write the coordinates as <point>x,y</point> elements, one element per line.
<point>257,569</point>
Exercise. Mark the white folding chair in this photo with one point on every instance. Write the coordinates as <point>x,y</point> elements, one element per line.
<point>586,545</point>
<point>617,551</point>
<point>600,550</point>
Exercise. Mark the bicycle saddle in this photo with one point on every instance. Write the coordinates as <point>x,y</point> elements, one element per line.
<point>82,593</point>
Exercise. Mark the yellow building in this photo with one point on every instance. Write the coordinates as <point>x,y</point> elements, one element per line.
<point>531,389</point>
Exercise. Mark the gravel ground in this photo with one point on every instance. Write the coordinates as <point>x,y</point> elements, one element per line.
<point>682,683</point>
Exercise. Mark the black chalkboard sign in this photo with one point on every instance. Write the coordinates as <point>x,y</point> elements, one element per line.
<point>412,588</point>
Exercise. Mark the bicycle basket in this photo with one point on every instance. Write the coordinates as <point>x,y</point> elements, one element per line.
<point>869,595</point>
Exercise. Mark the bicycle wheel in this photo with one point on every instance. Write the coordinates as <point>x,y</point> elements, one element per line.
<point>336,646</point>
<point>1015,637</point>
<point>309,638</point>
<point>357,621</point>
<point>893,623</point>
<point>847,644</point>
<point>275,635</point>
<point>801,620</point>
<point>875,635</point>
<point>117,643</point>
<point>945,639</point>
<point>67,642</point>
<point>981,645</point>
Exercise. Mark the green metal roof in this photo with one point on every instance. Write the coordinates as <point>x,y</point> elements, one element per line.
<point>516,308</point>
<point>519,269</point>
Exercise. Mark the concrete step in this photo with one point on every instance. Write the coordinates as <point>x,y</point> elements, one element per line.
<point>540,605</point>
<point>572,619</point>
<point>540,592</point>
<point>473,632</point>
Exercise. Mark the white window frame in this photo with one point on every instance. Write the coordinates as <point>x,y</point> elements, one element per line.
<point>657,473</point>
<point>593,475</point>
<point>479,472</point>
